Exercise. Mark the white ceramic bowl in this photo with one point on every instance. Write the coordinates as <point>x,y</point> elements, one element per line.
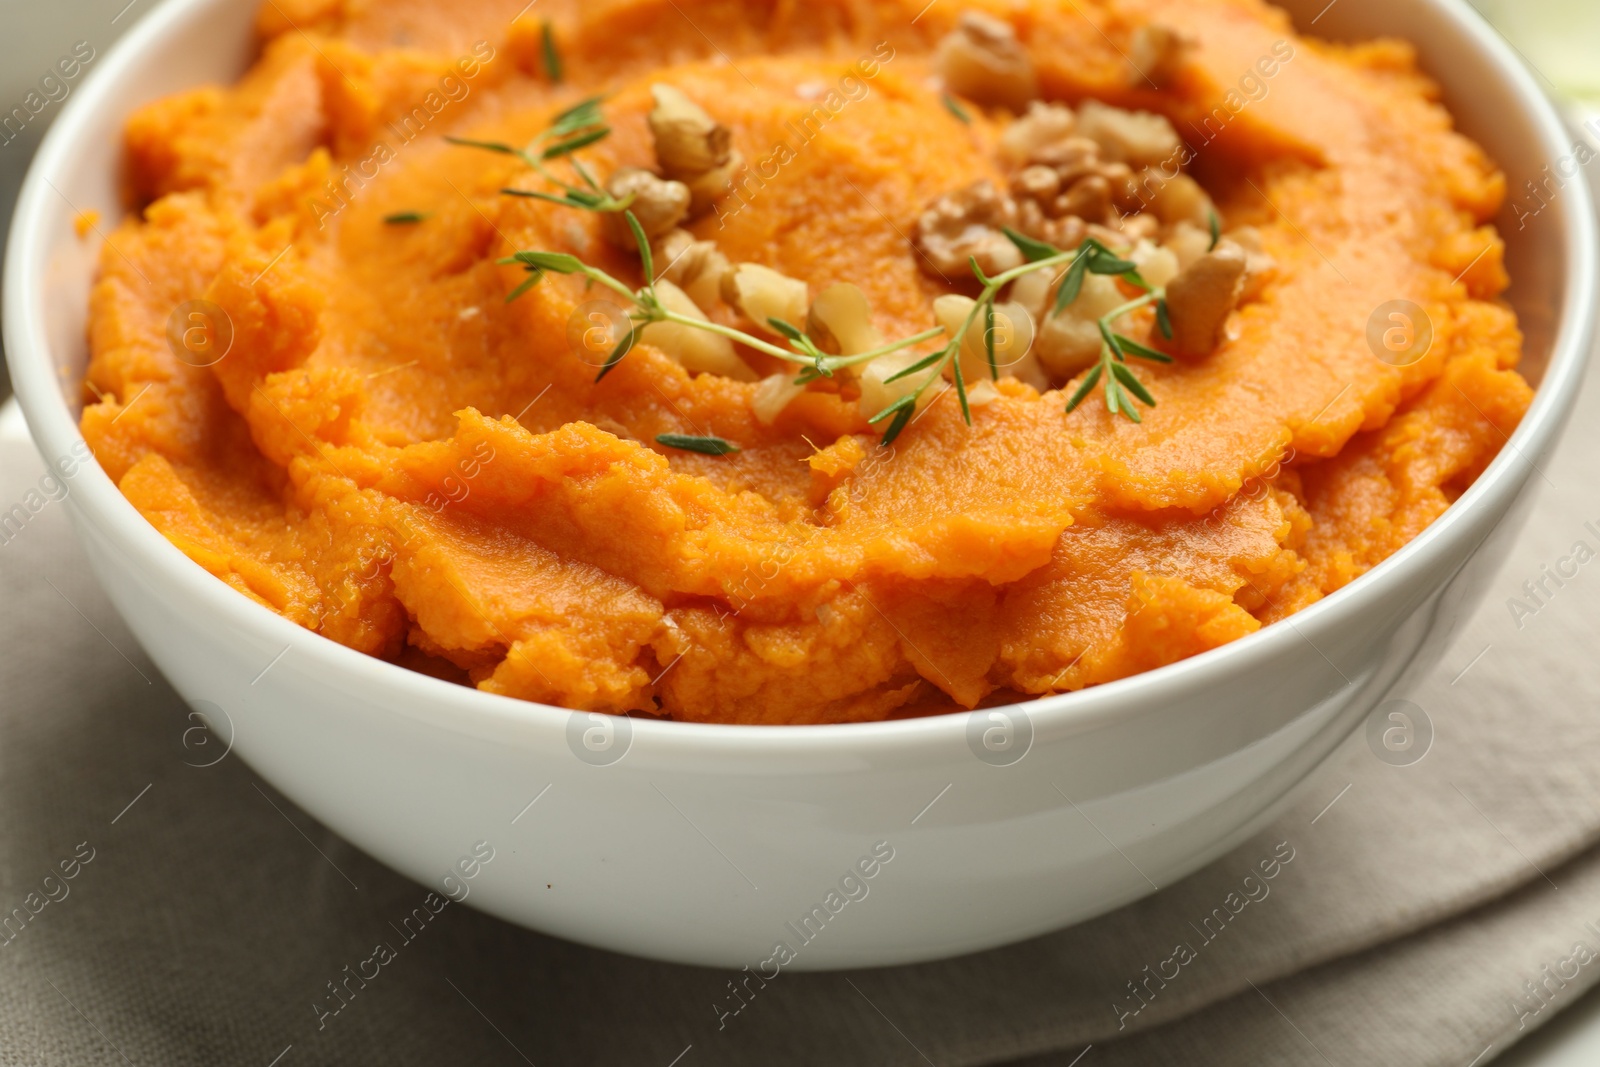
<point>702,842</point>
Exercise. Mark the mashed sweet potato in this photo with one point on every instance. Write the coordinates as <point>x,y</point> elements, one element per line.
<point>391,454</point>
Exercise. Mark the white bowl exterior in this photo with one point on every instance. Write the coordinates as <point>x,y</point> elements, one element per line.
<point>703,841</point>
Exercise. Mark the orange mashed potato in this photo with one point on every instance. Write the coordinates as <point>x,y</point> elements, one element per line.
<point>391,454</point>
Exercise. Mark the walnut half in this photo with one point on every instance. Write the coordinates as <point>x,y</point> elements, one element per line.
<point>658,205</point>
<point>1201,296</point>
<point>964,225</point>
<point>982,60</point>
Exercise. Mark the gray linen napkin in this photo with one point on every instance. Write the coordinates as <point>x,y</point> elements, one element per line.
<point>1411,915</point>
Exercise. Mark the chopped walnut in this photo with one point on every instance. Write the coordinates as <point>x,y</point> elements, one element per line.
<point>1036,182</point>
<point>1070,341</point>
<point>1089,199</point>
<point>1066,177</point>
<point>696,349</point>
<point>658,205</point>
<point>1065,232</point>
<point>1137,138</point>
<point>773,395</point>
<point>1177,199</point>
<point>688,141</point>
<point>840,321</point>
<point>1043,126</point>
<point>704,189</point>
<point>1259,268</point>
<point>1188,242</point>
<point>1200,298</point>
<point>964,224</point>
<point>694,266</point>
<point>1157,265</point>
<point>877,392</point>
<point>1140,227</point>
<point>1013,340</point>
<point>982,60</point>
<point>762,294</point>
<point>1156,54</point>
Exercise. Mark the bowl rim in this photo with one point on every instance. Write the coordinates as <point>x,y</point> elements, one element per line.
<point>101,503</point>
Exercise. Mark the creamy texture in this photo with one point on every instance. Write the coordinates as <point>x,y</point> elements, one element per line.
<point>393,456</point>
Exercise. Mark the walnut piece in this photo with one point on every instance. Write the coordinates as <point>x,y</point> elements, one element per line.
<point>1259,268</point>
<point>773,395</point>
<point>982,60</point>
<point>696,349</point>
<point>1156,54</point>
<point>1200,298</point>
<point>762,294</point>
<point>840,321</point>
<point>694,266</point>
<point>1176,199</point>
<point>1137,138</point>
<point>658,205</point>
<point>1070,341</point>
<point>966,224</point>
<point>1043,126</point>
<point>688,141</point>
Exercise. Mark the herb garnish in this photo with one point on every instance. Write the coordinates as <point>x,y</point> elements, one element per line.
<point>583,124</point>
<point>709,446</point>
<point>955,109</point>
<point>552,58</point>
<point>1093,257</point>
<point>405,218</point>
<point>1213,224</point>
<point>579,126</point>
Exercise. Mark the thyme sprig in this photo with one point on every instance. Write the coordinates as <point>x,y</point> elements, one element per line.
<point>1121,385</point>
<point>584,124</point>
<point>578,127</point>
<point>647,308</point>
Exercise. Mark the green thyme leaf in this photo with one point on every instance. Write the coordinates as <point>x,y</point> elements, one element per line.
<point>1133,385</point>
<point>1110,339</point>
<point>583,114</point>
<point>645,258</point>
<point>1127,407</point>
<point>910,400</point>
<point>1113,393</point>
<point>1215,225</point>
<point>533,279</point>
<point>1071,284</point>
<point>534,194</point>
<point>1031,250</point>
<point>583,172</point>
<point>488,146</point>
<point>786,329</point>
<point>922,364</point>
<point>552,58</point>
<point>622,348</point>
<point>901,418</point>
<point>404,218</point>
<point>708,446</point>
<point>1133,348</point>
<point>560,262</point>
<point>961,389</point>
<point>1083,390</point>
<point>572,144</point>
<point>1163,318</point>
<point>956,109</point>
<point>1104,261</point>
<point>988,338</point>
